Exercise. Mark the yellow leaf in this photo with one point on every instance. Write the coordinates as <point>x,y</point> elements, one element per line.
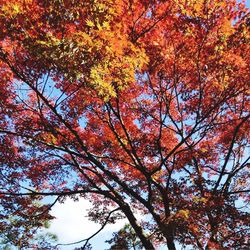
<point>183,213</point>
<point>90,23</point>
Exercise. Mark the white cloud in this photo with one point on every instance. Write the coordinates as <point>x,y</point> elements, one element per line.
<point>71,224</point>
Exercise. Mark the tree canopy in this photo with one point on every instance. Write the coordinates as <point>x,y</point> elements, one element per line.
<point>140,106</point>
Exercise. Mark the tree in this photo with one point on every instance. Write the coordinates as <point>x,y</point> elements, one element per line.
<point>137,105</point>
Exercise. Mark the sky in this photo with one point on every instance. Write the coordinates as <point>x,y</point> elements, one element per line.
<point>71,225</point>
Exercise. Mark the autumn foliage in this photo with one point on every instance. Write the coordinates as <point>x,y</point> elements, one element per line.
<point>137,105</point>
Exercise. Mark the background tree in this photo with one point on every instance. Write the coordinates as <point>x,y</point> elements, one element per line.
<point>125,238</point>
<point>137,105</point>
<point>18,232</point>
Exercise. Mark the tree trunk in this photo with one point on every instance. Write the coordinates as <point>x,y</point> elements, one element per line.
<point>138,230</point>
<point>170,243</point>
<point>170,239</point>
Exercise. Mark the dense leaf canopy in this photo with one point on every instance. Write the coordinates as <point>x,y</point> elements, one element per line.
<point>137,105</point>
